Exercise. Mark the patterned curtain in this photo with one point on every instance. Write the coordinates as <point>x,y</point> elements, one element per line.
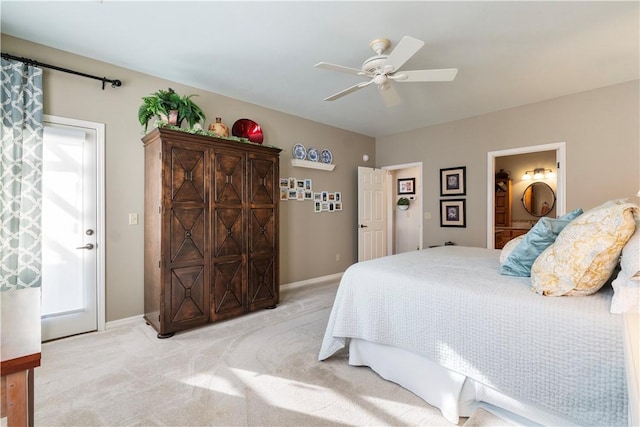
<point>20,176</point>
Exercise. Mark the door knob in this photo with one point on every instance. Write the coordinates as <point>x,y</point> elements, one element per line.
<point>88,246</point>
<point>363,226</point>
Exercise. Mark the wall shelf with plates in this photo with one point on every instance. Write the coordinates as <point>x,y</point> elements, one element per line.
<point>299,163</point>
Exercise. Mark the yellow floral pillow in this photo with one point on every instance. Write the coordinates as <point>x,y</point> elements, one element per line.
<point>586,252</point>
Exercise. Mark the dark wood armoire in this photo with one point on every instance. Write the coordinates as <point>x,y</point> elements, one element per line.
<point>503,203</point>
<point>210,229</point>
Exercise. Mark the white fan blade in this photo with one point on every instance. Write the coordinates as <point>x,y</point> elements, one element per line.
<point>334,67</point>
<point>442,75</point>
<point>407,47</point>
<point>389,96</point>
<point>348,90</point>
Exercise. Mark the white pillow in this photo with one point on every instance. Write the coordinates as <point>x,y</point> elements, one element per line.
<point>626,295</point>
<point>630,260</point>
<point>509,247</point>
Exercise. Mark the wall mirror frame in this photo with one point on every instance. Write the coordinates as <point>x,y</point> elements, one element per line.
<point>538,199</point>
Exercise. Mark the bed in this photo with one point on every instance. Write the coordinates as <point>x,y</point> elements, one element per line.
<point>445,324</point>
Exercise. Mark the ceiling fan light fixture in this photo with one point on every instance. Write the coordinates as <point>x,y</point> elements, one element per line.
<point>380,79</point>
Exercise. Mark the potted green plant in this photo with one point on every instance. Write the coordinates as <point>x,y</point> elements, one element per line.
<point>403,203</point>
<point>171,108</point>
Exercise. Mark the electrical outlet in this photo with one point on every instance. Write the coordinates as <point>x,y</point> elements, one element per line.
<point>337,257</point>
<point>133,219</point>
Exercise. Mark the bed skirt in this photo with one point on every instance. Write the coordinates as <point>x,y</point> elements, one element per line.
<point>454,394</point>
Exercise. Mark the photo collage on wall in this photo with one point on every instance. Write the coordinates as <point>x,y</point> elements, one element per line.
<point>302,190</point>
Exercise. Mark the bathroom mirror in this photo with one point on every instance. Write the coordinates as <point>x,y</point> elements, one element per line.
<point>539,199</point>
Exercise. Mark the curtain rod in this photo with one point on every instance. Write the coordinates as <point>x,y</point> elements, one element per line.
<point>104,80</point>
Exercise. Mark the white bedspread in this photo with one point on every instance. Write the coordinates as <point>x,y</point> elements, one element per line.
<point>451,305</point>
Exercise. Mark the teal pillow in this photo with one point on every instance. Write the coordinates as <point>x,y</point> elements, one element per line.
<point>539,238</point>
<point>572,215</point>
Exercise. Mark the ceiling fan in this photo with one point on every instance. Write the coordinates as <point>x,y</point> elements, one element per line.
<point>382,69</point>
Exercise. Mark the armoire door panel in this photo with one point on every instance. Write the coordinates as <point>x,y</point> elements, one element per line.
<point>187,234</point>
<point>227,289</point>
<point>262,232</point>
<point>262,181</point>
<point>188,294</point>
<point>187,175</point>
<point>229,172</point>
<point>228,232</point>
<point>262,288</point>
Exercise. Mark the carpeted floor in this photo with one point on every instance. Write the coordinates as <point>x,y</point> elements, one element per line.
<point>257,370</point>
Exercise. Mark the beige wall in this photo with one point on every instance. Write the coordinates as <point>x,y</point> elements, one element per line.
<point>309,242</point>
<point>600,128</point>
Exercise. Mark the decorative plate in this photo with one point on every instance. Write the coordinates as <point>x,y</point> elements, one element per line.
<point>326,156</point>
<point>299,152</point>
<point>313,155</point>
<point>245,128</point>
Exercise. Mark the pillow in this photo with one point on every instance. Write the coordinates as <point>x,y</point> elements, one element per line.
<point>543,234</point>
<point>630,261</point>
<point>572,215</point>
<point>585,254</point>
<point>626,295</point>
<point>509,247</point>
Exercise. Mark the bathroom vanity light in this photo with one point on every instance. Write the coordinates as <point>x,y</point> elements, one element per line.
<point>538,173</point>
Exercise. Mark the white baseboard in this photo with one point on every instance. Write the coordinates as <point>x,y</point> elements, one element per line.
<point>314,281</point>
<point>122,322</point>
<point>128,320</point>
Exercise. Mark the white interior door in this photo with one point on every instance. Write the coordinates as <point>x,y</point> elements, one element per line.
<point>372,214</point>
<point>71,241</point>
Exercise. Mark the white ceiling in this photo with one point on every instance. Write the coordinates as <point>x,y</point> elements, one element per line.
<point>507,53</point>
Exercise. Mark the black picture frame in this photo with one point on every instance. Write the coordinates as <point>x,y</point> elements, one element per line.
<point>453,213</point>
<point>453,181</point>
<point>406,186</point>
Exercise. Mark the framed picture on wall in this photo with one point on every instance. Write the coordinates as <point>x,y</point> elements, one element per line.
<point>406,186</point>
<point>284,193</point>
<point>453,181</point>
<point>453,213</point>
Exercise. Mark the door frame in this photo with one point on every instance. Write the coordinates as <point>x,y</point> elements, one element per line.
<point>561,176</point>
<point>391,222</point>
<point>100,207</point>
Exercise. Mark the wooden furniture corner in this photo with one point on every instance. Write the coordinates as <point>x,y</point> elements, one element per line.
<point>17,390</point>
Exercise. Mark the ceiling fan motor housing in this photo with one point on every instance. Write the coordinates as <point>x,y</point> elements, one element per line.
<point>373,65</point>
